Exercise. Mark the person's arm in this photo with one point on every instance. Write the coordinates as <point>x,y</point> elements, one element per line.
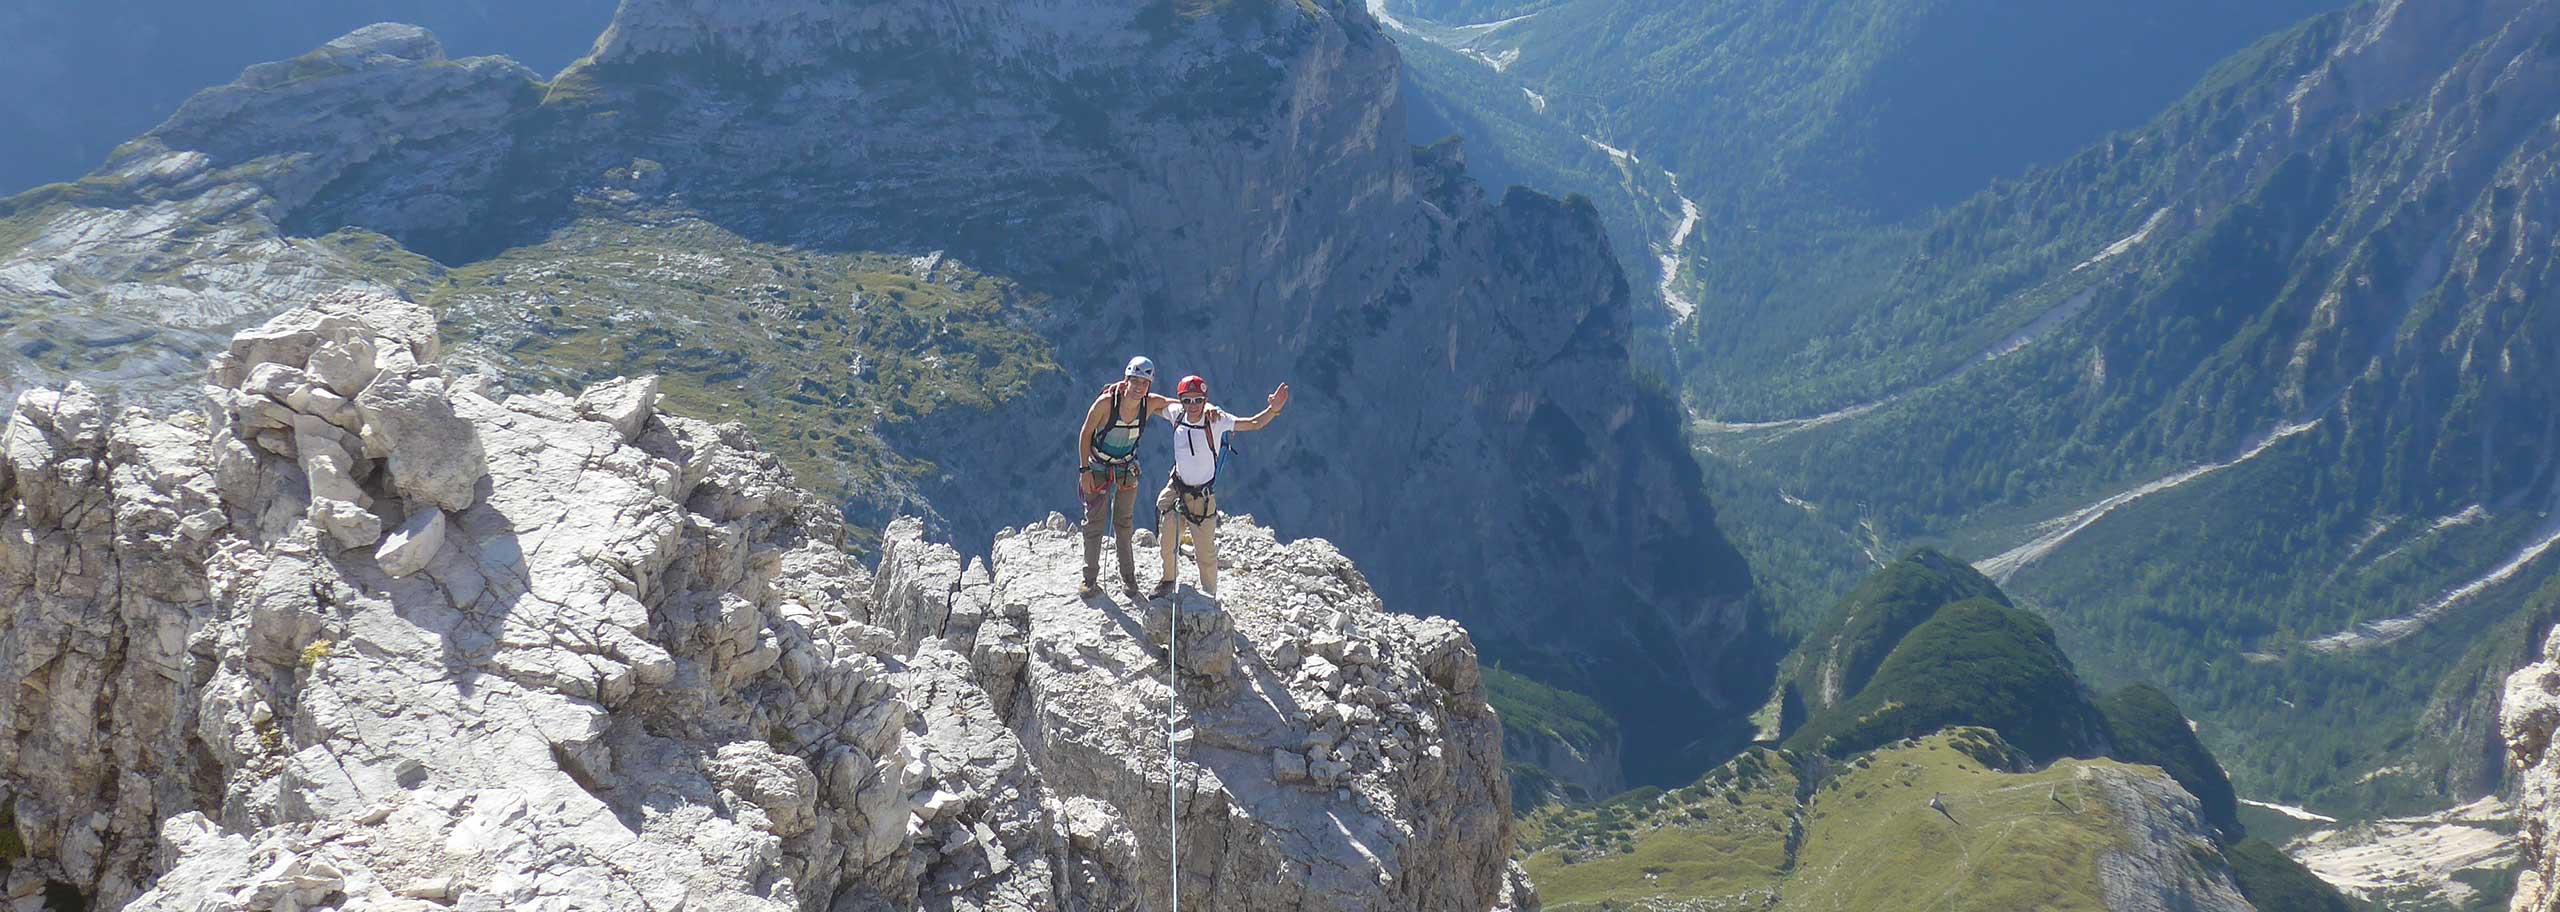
<point>1279,400</point>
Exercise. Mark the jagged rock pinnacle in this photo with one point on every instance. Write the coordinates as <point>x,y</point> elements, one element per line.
<point>365,636</point>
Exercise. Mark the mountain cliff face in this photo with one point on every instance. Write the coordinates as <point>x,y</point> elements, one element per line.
<point>2530,717</point>
<point>888,236</point>
<point>84,79</point>
<point>437,649</point>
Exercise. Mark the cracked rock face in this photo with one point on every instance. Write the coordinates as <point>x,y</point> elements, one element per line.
<point>579,654</point>
<point>1242,165</point>
<point>1375,785</point>
<point>2528,717</point>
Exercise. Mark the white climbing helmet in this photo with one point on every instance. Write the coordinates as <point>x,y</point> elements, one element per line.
<point>1142,368</point>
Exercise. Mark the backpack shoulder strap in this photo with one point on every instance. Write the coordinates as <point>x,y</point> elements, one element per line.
<point>1209,430</point>
<point>1117,390</point>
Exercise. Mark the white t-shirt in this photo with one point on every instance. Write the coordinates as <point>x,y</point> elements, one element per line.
<point>1195,448</point>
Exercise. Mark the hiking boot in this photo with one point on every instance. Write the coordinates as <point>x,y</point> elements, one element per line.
<point>1089,589</point>
<point>1164,588</point>
<point>1131,583</point>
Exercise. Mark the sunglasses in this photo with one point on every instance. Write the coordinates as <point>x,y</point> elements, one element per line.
<point>1192,399</point>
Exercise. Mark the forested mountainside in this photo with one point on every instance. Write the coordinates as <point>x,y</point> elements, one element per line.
<point>1879,108</point>
<point>1935,732</point>
<point>2249,399</point>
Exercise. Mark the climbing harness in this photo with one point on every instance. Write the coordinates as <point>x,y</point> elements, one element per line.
<point>1184,495</point>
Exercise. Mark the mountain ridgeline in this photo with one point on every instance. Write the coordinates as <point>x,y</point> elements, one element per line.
<point>1928,642</point>
<point>86,78</point>
<point>354,634</point>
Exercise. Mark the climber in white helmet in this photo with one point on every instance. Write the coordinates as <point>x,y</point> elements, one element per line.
<point>1107,468</point>
<point>1199,434</point>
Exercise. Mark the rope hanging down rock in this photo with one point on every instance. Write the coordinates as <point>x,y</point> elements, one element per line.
<point>1172,768</point>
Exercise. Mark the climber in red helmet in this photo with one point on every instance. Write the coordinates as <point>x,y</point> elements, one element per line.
<point>1199,433</point>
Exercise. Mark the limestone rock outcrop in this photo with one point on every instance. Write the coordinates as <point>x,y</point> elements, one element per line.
<point>1320,737</point>
<point>1245,166</point>
<point>2528,718</point>
<point>360,636</point>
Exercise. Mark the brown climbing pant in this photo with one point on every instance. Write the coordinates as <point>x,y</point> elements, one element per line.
<point>1119,498</point>
<point>1170,506</point>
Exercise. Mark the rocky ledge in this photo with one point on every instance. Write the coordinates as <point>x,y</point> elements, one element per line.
<point>2528,718</point>
<point>360,635</point>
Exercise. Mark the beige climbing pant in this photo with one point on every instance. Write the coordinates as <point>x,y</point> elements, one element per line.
<point>1117,502</point>
<point>1204,534</point>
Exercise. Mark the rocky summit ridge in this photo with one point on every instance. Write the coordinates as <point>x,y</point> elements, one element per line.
<point>359,635</point>
<point>873,231</point>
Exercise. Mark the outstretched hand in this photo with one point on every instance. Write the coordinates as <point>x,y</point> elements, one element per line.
<point>1280,397</point>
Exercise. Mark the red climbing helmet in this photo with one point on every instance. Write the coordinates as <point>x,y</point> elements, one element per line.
<point>1191,386</point>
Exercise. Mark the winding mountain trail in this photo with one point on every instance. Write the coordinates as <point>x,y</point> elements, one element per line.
<point>2384,631</point>
<point>2043,325</point>
<point>2053,532</point>
<point>2128,242</point>
<point>1791,425</point>
<point>2298,813</point>
<point>1622,156</point>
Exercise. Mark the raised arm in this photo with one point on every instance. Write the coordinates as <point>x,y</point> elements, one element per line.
<point>1279,400</point>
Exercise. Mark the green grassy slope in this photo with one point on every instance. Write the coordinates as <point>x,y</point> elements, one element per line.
<point>1728,838</point>
<point>1776,829</point>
